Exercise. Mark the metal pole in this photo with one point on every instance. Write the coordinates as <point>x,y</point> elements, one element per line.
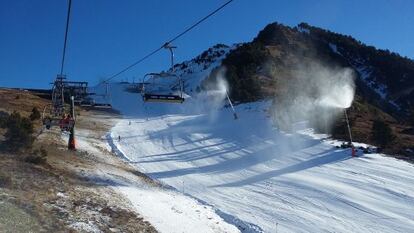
<point>232,107</point>
<point>172,58</point>
<point>349,128</point>
<point>63,97</point>
<point>72,98</point>
<point>353,151</point>
<point>108,94</point>
<point>71,143</point>
<point>170,47</point>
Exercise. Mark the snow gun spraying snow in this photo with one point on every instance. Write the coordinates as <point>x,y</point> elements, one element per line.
<point>339,94</point>
<point>221,89</point>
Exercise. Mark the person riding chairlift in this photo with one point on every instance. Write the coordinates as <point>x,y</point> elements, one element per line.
<point>65,122</point>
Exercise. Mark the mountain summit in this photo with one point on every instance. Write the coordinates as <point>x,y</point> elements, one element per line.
<point>285,63</point>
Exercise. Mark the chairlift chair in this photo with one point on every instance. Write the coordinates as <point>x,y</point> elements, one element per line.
<point>107,97</point>
<point>49,119</point>
<point>54,114</point>
<point>154,90</point>
<point>102,105</point>
<point>88,101</point>
<point>164,91</point>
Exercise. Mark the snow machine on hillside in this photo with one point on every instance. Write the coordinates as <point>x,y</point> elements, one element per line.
<point>162,87</point>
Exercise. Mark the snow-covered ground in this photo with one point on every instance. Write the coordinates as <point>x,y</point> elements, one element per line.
<point>168,210</point>
<point>257,177</point>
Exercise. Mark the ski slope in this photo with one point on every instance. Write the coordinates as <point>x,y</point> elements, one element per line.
<point>261,179</point>
<point>166,209</point>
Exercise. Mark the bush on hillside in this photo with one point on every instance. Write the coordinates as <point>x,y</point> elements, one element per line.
<point>5,180</point>
<point>411,118</point>
<point>35,114</point>
<point>37,157</point>
<point>340,129</point>
<point>382,133</point>
<point>241,71</point>
<point>18,136</point>
<point>4,116</point>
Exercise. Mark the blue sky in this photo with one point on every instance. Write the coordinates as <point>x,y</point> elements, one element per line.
<point>105,36</point>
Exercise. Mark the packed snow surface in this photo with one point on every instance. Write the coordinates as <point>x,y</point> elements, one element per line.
<point>255,175</point>
<point>167,210</point>
<point>170,211</point>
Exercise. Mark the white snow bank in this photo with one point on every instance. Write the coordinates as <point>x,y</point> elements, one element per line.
<point>249,170</point>
<point>169,211</point>
<point>166,210</point>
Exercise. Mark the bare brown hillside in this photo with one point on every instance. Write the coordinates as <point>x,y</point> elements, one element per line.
<point>59,194</point>
<point>268,66</point>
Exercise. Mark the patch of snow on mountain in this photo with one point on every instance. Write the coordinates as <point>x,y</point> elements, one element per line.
<point>393,103</point>
<point>303,30</point>
<point>193,72</point>
<point>334,48</point>
<point>366,75</point>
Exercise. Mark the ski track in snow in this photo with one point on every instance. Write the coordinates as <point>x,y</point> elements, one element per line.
<point>165,208</point>
<point>251,173</point>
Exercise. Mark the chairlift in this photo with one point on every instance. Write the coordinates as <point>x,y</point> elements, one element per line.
<point>54,114</point>
<point>163,87</point>
<point>102,105</point>
<point>88,101</point>
<point>107,97</point>
<point>65,122</point>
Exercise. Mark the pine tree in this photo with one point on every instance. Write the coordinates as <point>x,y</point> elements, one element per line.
<point>382,133</point>
<point>35,114</point>
<point>19,132</point>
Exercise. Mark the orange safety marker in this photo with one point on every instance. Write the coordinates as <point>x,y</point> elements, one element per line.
<point>72,142</point>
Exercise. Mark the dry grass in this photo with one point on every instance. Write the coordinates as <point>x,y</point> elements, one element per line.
<point>53,195</point>
<point>21,101</point>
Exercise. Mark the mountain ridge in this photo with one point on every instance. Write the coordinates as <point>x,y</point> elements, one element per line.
<point>260,69</point>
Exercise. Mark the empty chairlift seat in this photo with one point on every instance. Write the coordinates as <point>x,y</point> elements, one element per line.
<point>162,87</point>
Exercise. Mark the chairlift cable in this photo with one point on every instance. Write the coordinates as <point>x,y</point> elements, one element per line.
<point>132,65</point>
<point>66,37</point>
<point>168,42</point>
<point>198,22</point>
